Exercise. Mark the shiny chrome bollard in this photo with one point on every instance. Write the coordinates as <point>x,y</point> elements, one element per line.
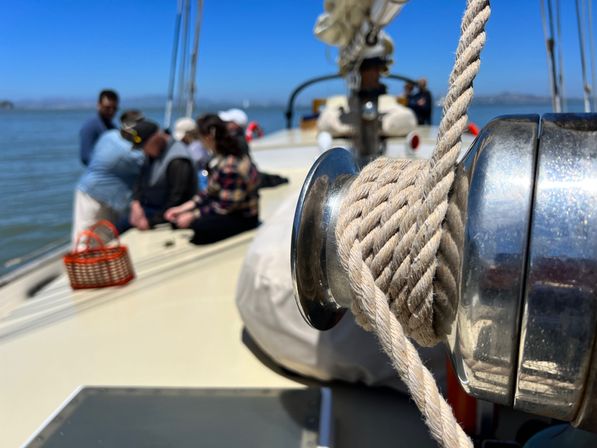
<point>524,333</point>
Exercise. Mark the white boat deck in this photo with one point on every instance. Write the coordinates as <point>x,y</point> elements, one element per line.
<point>175,325</point>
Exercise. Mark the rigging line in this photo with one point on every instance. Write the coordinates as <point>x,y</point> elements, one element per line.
<point>551,62</point>
<point>592,53</point>
<point>554,65</point>
<point>183,60</point>
<point>194,57</point>
<point>563,105</point>
<point>581,39</point>
<point>170,101</point>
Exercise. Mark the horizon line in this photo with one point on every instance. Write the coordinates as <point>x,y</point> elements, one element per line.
<point>161,97</point>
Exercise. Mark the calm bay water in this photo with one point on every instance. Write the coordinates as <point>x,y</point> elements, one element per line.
<point>39,168</point>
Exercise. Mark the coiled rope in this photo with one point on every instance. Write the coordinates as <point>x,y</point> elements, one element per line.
<point>399,241</point>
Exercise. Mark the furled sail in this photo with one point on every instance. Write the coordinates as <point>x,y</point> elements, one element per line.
<point>355,25</point>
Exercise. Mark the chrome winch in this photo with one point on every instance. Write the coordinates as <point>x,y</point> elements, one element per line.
<point>524,333</point>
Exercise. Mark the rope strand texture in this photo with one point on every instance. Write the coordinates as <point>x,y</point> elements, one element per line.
<point>400,240</point>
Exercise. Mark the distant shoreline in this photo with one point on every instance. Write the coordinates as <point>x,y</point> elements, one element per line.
<point>156,102</point>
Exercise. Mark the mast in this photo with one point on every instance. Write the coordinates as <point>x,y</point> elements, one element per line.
<point>550,43</point>
<point>192,81</point>
<point>563,105</point>
<point>592,52</point>
<point>581,41</point>
<point>170,100</point>
<point>183,61</point>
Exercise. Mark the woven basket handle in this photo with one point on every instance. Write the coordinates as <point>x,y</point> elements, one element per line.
<point>107,224</point>
<point>90,235</point>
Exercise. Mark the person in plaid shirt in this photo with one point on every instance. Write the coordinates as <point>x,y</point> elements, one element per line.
<point>230,205</point>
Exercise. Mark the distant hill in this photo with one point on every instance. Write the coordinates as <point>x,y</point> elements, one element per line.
<point>159,101</point>
<point>6,105</point>
<point>66,103</point>
<point>140,102</point>
<point>510,98</point>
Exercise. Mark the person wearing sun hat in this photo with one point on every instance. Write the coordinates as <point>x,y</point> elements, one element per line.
<point>236,121</point>
<point>185,130</point>
<point>105,188</point>
<point>167,177</point>
<point>236,116</point>
<point>182,128</point>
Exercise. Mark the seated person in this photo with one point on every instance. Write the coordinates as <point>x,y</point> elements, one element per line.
<point>105,188</point>
<point>236,121</point>
<point>167,177</point>
<point>185,131</point>
<point>230,205</point>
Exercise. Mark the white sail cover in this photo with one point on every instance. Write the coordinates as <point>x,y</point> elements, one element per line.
<point>266,303</point>
<point>396,119</point>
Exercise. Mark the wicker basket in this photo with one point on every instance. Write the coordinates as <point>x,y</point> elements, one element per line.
<point>101,266</point>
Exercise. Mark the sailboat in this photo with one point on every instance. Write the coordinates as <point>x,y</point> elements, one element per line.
<point>165,360</point>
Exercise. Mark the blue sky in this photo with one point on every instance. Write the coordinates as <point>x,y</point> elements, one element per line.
<point>254,49</point>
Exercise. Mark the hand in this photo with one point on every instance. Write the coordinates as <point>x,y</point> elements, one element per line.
<point>136,214</point>
<point>143,224</point>
<point>171,214</point>
<point>184,220</point>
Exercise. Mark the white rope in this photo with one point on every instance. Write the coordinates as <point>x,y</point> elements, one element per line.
<point>392,230</point>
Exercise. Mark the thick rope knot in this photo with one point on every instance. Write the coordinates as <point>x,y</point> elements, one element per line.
<point>400,235</point>
<point>377,225</point>
<point>400,208</point>
<point>397,221</point>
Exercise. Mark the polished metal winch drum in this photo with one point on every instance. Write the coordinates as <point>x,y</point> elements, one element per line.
<point>524,333</point>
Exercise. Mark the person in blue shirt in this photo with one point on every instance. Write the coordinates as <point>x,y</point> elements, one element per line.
<point>104,190</point>
<point>107,105</point>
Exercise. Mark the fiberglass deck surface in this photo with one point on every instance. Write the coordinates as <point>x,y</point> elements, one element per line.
<point>175,325</point>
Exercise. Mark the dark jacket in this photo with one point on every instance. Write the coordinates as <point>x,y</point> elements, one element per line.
<point>166,181</point>
<point>421,104</point>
